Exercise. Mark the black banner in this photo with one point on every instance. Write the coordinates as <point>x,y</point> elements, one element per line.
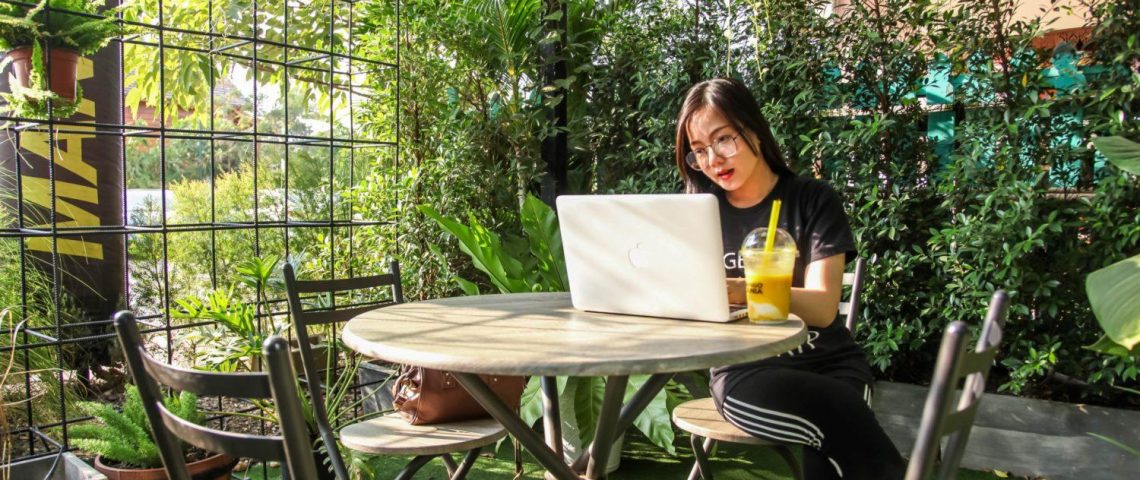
<point>87,166</point>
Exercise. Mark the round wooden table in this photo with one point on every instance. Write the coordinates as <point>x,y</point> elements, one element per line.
<point>541,334</point>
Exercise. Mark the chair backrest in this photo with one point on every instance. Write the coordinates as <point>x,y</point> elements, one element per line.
<point>944,417</point>
<point>850,308</point>
<point>292,447</point>
<point>303,319</point>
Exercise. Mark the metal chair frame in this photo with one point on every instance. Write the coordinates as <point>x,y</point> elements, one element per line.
<point>949,412</point>
<point>303,319</point>
<point>277,383</point>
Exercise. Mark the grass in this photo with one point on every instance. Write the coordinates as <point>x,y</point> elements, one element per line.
<point>640,461</point>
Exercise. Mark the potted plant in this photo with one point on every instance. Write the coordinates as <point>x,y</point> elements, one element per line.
<point>125,447</point>
<point>65,28</point>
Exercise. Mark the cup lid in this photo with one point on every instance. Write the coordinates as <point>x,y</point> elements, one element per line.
<point>756,238</point>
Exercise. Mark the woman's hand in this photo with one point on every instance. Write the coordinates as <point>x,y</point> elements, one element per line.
<point>736,294</point>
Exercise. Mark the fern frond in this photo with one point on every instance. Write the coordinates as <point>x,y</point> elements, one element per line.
<point>133,408</point>
<point>185,406</point>
<point>119,452</point>
<point>86,430</point>
<point>120,428</point>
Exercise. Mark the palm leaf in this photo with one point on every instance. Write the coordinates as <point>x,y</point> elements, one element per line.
<point>1114,294</point>
<point>1121,151</point>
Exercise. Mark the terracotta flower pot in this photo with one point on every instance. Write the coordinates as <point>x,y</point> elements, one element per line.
<point>63,70</point>
<point>217,467</point>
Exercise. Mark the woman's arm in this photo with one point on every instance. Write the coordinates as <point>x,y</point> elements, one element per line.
<point>817,302</point>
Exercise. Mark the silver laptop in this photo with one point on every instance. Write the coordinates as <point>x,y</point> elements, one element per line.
<point>654,255</point>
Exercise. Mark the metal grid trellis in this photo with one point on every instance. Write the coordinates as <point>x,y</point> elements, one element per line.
<point>272,220</point>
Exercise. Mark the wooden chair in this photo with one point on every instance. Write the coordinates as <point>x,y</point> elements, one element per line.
<point>388,434</point>
<point>292,448</point>
<point>701,419</point>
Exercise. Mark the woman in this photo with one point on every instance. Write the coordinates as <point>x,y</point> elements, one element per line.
<point>817,395</point>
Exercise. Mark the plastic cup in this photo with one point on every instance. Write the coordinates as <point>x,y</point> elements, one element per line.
<point>768,276</point>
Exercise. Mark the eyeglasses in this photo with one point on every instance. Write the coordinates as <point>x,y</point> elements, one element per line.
<point>724,146</point>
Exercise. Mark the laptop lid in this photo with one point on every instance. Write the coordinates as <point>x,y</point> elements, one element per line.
<point>655,255</point>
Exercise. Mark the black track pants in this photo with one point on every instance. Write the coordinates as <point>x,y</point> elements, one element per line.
<point>830,417</point>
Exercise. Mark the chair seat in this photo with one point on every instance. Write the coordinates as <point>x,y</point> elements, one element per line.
<point>701,418</point>
<point>391,434</point>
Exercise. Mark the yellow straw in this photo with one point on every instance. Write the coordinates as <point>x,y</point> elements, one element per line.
<point>773,220</point>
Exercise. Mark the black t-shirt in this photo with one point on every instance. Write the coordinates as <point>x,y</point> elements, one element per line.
<point>813,214</point>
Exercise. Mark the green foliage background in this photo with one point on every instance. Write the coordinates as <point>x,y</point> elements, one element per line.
<point>1017,201</point>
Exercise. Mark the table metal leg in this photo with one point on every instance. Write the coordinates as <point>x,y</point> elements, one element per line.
<point>449,463</point>
<point>468,460</point>
<point>413,466</point>
<point>629,412</point>
<point>702,467</point>
<point>511,421</point>
<point>607,425</point>
<point>551,418</point>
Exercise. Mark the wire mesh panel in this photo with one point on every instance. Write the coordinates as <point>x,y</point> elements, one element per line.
<point>211,141</point>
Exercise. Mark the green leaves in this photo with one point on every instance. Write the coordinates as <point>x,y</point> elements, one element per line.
<point>1122,152</point>
<point>655,421</point>
<point>515,265</point>
<point>541,227</point>
<point>256,272</point>
<point>22,25</point>
<point>508,26</point>
<point>1106,346</point>
<point>231,351</point>
<point>580,402</point>
<point>485,249</point>
<point>1114,292</point>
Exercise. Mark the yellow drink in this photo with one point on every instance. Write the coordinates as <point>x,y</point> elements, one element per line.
<point>768,284</point>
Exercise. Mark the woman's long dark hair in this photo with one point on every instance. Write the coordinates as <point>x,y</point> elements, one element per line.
<point>733,99</point>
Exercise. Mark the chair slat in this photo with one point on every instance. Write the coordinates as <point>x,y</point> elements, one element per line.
<point>974,362</point>
<point>848,278</point>
<point>959,420</point>
<point>325,317</point>
<point>844,308</point>
<point>342,284</point>
<point>210,384</point>
<point>230,443</point>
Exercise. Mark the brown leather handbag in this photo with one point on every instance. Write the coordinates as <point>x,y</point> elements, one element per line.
<point>425,396</point>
